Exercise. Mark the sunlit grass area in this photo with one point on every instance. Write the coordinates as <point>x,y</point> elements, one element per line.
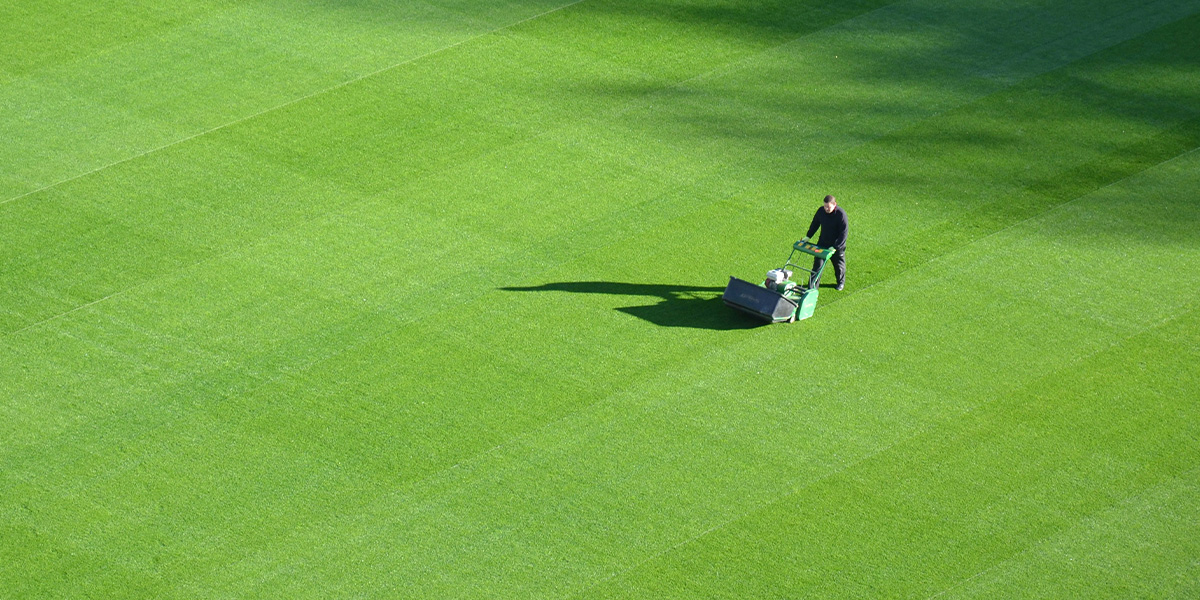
<point>323,299</point>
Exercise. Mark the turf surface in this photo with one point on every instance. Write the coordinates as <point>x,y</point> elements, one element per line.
<point>420,299</point>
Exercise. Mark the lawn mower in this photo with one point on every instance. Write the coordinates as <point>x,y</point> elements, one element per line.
<point>779,299</point>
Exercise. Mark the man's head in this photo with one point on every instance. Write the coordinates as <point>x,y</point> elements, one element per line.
<point>830,204</point>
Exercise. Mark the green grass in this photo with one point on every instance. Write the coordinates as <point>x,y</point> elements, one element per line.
<point>420,300</point>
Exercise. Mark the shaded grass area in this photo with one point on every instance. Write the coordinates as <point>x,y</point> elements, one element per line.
<point>314,352</point>
<point>678,305</point>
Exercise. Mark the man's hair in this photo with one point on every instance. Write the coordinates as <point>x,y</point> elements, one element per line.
<point>829,199</point>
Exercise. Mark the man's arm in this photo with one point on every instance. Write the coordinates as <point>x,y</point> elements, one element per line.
<point>816,223</point>
<point>845,229</point>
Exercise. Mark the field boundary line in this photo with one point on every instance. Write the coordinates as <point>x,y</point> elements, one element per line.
<point>65,313</point>
<point>291,102</point>
<point>1188,309</point>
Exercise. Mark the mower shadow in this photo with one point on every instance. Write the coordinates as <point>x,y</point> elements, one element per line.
<point>694,307</point>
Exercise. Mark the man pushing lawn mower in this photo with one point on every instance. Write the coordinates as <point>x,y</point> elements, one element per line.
<point>831,220</point>
<point>779,299</point>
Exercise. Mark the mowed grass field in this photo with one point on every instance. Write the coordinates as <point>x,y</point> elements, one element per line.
<point>392,299</point>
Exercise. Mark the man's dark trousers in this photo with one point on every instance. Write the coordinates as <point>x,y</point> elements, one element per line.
<point>839,266</point>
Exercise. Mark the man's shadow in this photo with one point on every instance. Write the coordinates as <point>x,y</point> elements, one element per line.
<point>678,306</point>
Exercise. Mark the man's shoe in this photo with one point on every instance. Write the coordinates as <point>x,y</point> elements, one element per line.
<point>840,286</point>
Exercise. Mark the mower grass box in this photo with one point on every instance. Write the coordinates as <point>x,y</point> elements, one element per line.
<point>779,299</point>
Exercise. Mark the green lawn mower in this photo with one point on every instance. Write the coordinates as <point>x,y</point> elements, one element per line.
<point>779,299</point>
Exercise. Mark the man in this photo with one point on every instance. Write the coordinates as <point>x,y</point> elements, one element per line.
<point>831,220</point>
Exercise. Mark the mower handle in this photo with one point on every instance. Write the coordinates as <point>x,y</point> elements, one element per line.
<point>813,250</point>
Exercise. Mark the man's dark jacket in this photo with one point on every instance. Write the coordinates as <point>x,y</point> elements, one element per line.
<point>834,228</point>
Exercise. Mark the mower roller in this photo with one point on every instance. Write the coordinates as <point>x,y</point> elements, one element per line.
<point>779,299</point>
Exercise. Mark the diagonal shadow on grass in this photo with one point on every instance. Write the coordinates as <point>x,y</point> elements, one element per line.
<point>696,307</point>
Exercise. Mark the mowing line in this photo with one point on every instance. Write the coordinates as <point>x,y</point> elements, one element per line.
<point>80,307</point>
<point>919,433</point>
<point>293,101</point>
